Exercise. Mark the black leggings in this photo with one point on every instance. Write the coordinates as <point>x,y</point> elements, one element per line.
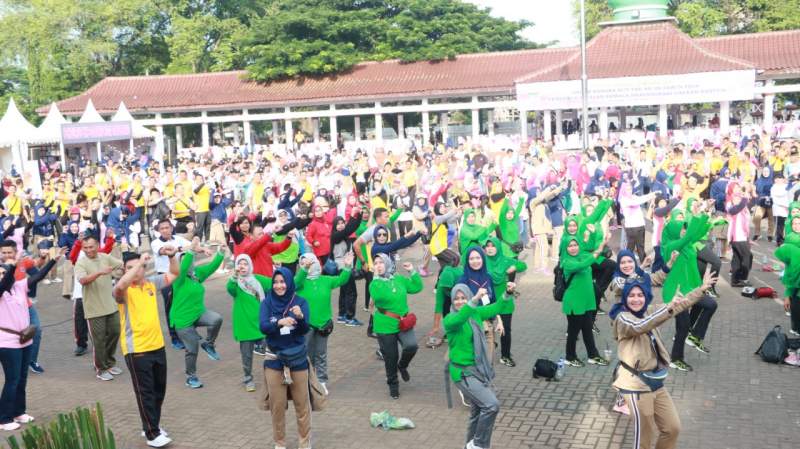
<point>348,295</point>
<point>602,273</point>
<point>580,324</point>
<point>505,339</point>
<point>742,261</point>
<point>707,256</point>
<point>694,320</point>
<point>403,227</point>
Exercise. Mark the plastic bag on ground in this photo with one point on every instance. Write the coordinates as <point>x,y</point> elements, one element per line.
<point>386,421</point>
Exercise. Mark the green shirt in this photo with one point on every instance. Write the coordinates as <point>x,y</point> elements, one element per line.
<point>447,280</point>
<point>289,255</point>
<point>392,295</point>
<point>318,294</point>
<point>459,332</point>
<point>579,296</point>
<point>188,292</point>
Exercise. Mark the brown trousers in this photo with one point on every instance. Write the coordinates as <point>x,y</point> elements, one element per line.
<point>654,415</point>
<point>278,400</point>
<point>68,275</point>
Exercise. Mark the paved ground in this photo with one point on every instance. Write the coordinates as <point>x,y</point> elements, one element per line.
<point>731,400</point>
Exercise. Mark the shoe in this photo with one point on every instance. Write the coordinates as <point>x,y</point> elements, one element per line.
<point>600,311</point>
<point>599,361</point>
<point>353,323</point>
<point>46,281</point>
<point>57,281</point>
<point>379,354</point>
<point>209,349</point>
<point>250,387</point>
<point>696,343</point>
<point>160,441</point>
<point>193,382</point>
<point>769,239</point>
<point>160,429</point>
<point>595,329</point>
<point>621,407</point>
<point>424,273</point>
<point>115,370</point>
<point>794,332</point>
<point>508,361</point>
<point>259,350</point>
<point>105,375</point>
<point>341,319</point>
<point>324,386</point>
<point>680,365</point>
<point>576,363</point>
<point>788,314</point>
<point>24,418</point>
<point>79,351</point>
<point>365,309</point>
<point>178,345</point>
<point>404,374</point>
<point>737,284</point>
<point>394,393</point>
<point>36,368</point>
<point>10,426</point>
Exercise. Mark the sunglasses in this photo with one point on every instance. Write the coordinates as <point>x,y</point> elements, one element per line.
<point>382,234</point>
<point>635,280</point>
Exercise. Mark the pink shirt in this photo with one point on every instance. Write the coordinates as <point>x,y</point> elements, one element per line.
<point>14,314</point>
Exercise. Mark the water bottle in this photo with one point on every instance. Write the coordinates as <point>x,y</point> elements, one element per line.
<point>560,369</point>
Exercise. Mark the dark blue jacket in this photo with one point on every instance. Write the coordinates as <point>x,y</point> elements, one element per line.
<point>272,309</point>
<point>43,221</point>
<point>218,211</point>
<point>717,193</point>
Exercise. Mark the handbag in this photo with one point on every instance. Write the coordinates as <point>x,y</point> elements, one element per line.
<point>326,329</point>
<point>407,322</point>
<point>25,335</point>
<point>545,369</point>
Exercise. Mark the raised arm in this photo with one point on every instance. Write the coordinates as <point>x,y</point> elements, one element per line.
<point>207,269</point>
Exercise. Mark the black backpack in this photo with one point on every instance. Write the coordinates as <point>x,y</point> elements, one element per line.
<point>560,284</point>
<point>774,348</point>
<point>545,368</point>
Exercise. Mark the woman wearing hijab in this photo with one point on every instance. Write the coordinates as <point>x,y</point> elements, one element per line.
<point>508,229</point>
<point>342,240</point>
<point>248,290</point>
<point>422,221</point>
<point>389,293</point>
<point>476,276</point>
<point>317,291</point>
<point>502,269</point>
<point>789,254</point>
<point>470,365</point>
<point>626,268</point>
<point>473,233</point>
<point>283,318</point>
<point>644,360</point>
<point>578,303</point>
<point>763,208</point>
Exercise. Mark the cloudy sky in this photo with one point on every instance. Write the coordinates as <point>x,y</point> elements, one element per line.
<point>552,18</point>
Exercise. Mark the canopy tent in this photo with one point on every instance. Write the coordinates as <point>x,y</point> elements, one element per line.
<point>49,132</point>
<point>15,132</point>
<point>90,114</point>
<point>138,131</point>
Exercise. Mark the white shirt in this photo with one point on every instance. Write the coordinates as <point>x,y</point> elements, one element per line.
<point>162,261</point>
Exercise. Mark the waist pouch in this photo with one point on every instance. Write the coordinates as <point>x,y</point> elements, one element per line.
<point>405,322</point>
<point>654,379</point>
<point>293,357</point>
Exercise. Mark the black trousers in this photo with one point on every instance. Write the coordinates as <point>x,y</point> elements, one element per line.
<point>348,294</point>
<point>780,222</point>
<point>202,225</point>
<point>403,227</point>
<point>166,293</point>
<point>636,241</point>
<point>602,274</point>
<point>505,339</point>
<point>79,323</point>
<point>707,256</point>
<point>393,359</point>
<point>742,261</point>
<point>694,320</point>
<point>794,310</point>
<point>367,281</point>
<point>580,324</point>
<point>149,376</point>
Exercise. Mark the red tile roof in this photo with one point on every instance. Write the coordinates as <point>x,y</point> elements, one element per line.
<point>370,81</point>
<point>655,48</point>
<point>775,53</point>
<point>641,49</point>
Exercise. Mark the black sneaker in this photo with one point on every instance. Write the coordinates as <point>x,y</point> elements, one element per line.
<point>508,361</point>
<point>769,239</point>
<point>680,365</point>
<point>79,351</point>
<point>755,237</point>
<point>404,374</point>
<point>600,311</point>
<point>379,354</point>
<point>394,391</point>
<point>595,329</point>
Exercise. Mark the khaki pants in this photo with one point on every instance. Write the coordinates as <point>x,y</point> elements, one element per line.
<point>557,232</point>
<point>217,233</point>
<point>759,215</point>
<point>277,405</point>
<point>654,415</point>
<point>542,249</point>
<point>68,275</point>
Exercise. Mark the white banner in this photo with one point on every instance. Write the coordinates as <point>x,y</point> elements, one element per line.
<point>639,91</point>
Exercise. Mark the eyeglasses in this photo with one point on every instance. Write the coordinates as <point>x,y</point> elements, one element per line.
<point>635,280</point>
<point>382,234</point>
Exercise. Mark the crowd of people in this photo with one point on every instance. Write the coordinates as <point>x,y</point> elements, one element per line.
<point>289,228</point>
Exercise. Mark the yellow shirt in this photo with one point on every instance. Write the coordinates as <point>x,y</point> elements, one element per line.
<point>181,208</point>
<point>62,199</point>
<point>256,194</point>
<point>201,199</point>
<point>91,193</point>
<point>13,205</point>
<point>138,318</point>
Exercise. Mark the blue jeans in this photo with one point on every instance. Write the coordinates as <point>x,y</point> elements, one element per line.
<point>15,363</point>
<point>37,338</point>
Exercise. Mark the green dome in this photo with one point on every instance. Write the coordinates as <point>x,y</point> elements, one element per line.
<point>625,10</point>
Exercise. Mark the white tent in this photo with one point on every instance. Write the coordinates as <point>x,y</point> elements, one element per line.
<point>49,131</point>
<point>138,131</point>
<point>90,114</point>
<point>15,132</point>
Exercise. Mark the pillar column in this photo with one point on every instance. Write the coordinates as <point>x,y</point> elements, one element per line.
<point>548,123</point>
<point>275,134</point>
<point>334,128</point>
<point>357,130</point>
<point>490,124</point>
<point>622,124</point>
<point>63,155</point>
<point>444,125</point>
<point>426,123</point>
<point>401,128</point>
<point>378,123</point>
<point>523,124</point>
<point>236,141</point>
<point>204,130</point>
<point>724,116</point>
<point>179,137</point>
<point>769,106</point>
<point>476,124</point>
<point>159,140</point>
<point>289,130</point>
<point>662,121</point>
<point>248,132</point>
<point>603,125</point>
<point>559,123</point>
<point>315,124</point>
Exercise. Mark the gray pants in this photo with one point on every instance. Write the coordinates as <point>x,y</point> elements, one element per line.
<point>246,348</point>
<point>318,353</point>
<point>191,339</point>
<point>484,405</point>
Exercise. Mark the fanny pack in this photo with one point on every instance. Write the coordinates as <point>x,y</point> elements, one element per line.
<point>326,329</point>
<point>654,379</point>
<point>292,357</point>
<point>25,335</point>
<point>407,322</point>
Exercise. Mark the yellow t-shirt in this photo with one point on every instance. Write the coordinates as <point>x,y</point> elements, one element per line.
<point>181,208</point>
<point>91,193</point>
<point>256,195</point>
<point>201,199</point>
<point>138,318</point>
<point>62,199</point>
<point>13,205</point>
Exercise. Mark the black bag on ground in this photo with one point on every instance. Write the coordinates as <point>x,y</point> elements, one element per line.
<point>774,348</point>
<point>545,368</point>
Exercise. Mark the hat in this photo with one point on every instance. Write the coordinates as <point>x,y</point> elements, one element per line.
<point>74,210</point>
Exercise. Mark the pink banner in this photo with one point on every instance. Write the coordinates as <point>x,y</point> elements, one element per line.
<point>95,132</point>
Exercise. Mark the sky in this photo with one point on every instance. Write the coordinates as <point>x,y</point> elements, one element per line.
<point>552,18</point>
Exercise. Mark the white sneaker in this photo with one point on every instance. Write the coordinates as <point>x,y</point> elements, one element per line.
<point>161,429</point>
<point>10,426</point>
<point>324,388</point>
<point>471,445</point>
<point>160,441</point>
<point>46,282</point>
<point>57,281</point>
<point>24,418</point>
<point>115,370</point>
<point>105,376</point>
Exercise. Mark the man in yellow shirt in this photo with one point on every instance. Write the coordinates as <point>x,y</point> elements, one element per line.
<point>202,198</point>
<point>142,341</point>
<point>12,203</point>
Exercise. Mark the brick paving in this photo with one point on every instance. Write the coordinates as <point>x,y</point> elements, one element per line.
<point>731,400</point>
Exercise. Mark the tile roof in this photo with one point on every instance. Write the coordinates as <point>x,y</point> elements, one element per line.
<point>370,81</point>
<point>640,49</point>
<point>775,53</point>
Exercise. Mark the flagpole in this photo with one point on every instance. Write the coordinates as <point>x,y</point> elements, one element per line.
<point>584,81</point>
